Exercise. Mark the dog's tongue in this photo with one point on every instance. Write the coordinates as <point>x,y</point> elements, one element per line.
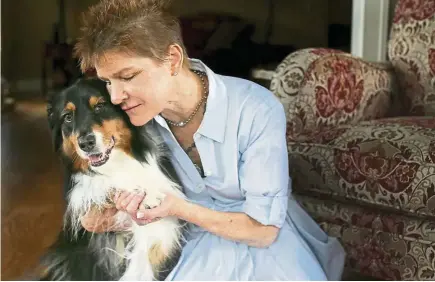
<point>95,158</point>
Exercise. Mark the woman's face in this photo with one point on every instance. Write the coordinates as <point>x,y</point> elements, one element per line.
<point>140,85</point>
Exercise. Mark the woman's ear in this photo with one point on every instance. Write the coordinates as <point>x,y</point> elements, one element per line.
<point>176,58</point>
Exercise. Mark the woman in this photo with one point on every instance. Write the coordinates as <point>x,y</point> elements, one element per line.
<point>227,137</point>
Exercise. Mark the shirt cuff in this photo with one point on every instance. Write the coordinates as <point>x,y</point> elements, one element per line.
<point>267,210</point>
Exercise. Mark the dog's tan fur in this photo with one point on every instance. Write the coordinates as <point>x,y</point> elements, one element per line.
<point>118,129</point>
<point>95,100</point>
<point>156,257</point>
<point>70,145</point>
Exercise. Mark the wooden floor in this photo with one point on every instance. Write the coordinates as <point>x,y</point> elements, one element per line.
<point>31,191</point>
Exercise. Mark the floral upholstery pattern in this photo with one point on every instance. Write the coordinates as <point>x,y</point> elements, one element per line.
<point>372,185</point>
<point>378,242</point>
<point>388,162</point>
<point>411,51</point>
<point>325,87</point>
<point>361,142</point>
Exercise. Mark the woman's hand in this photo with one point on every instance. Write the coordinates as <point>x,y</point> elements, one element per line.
<point>98,221</point>
<point>168,207</point>
<point>131,203</point>
<point>103,221</point>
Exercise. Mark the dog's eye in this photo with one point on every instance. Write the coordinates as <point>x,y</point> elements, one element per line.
<point>98,107</point>
<point>68,118</point>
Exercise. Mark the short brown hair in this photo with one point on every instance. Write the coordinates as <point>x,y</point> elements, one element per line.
<point>144,27</point>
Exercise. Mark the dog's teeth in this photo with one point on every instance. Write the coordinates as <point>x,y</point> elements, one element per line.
<point>101,158</point>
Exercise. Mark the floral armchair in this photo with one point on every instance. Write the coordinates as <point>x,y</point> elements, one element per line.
<point>361,140</point>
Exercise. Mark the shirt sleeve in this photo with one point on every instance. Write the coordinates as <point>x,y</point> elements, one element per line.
<point>263,170</point>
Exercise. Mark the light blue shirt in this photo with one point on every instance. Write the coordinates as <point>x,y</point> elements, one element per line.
<point>242,145</point>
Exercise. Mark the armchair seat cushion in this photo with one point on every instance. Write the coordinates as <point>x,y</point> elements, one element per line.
<point>389,163</point>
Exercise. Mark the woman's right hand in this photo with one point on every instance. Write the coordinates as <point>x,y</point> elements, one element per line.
<point>98,221</point>
<point>104,221</point>
<point>130,203</point>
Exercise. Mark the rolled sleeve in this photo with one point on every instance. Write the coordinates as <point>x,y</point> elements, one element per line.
<point>267,210</point>
<point>263,171</point>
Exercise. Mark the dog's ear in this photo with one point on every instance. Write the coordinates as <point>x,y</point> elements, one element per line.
<point>56,137</point>
<point>54,125</point>
<point>50,113</point>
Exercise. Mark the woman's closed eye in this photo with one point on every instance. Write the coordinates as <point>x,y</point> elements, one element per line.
<point>123,78</point>
<point>129,77</point>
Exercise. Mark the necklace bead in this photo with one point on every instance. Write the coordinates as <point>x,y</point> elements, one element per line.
<point>203,98</point>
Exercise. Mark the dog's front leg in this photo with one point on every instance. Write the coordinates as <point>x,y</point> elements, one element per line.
<point>139,267</point>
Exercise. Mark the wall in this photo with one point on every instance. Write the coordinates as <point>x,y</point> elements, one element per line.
<point>302,23</point>
<point>340,11</point>
<point>370,29</point>
<point>27,24</point>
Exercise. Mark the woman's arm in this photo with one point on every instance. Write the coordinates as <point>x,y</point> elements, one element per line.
<point>232,226</point>
<point>264,182</point>
<point>229,225</point>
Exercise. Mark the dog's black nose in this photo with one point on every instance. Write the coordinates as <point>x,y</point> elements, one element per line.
<point>87,142</point>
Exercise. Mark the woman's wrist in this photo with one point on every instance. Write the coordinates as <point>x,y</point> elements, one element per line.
<point>181,207</point>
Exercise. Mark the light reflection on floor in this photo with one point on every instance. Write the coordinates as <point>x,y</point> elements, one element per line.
<point>31,189</point>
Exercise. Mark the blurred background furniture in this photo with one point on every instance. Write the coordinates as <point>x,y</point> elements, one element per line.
<point>59,67</point>
<point>8,100</point>
<point>224,42</point>
<point>361,140</point>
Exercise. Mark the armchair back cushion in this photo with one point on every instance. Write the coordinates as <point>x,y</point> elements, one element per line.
<point>411,50</point>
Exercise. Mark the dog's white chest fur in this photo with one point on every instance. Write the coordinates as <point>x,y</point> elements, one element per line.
<point>123,173</point>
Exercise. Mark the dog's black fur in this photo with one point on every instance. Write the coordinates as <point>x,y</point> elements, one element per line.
<point>81,257</point>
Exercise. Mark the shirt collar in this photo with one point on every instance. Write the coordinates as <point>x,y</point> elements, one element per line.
<point>215,118</point>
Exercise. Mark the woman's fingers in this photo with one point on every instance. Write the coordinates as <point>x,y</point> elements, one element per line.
<point>141,221</point>
<point>97,221</point>
<point>128,202</point>
<point>134,203</point>
<point>122,200</point>
<point>110,212</point>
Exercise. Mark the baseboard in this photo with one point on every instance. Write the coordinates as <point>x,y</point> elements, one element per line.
<point>29,85</point>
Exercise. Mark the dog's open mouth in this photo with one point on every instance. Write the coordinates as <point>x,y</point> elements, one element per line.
<point>101,158</point>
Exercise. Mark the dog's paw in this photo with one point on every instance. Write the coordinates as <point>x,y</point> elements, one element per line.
<point>152,200</point>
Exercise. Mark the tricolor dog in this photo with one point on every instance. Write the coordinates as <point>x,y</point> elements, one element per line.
<point>104,153</point>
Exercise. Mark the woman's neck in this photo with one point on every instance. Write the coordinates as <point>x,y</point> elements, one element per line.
<point>188,94</point>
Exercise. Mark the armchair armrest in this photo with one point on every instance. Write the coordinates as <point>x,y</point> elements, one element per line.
<point>325,88</point>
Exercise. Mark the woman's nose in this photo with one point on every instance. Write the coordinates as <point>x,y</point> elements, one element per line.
<point>116,95</point>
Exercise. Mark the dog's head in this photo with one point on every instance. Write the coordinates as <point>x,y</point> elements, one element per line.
<point>86,126</point>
